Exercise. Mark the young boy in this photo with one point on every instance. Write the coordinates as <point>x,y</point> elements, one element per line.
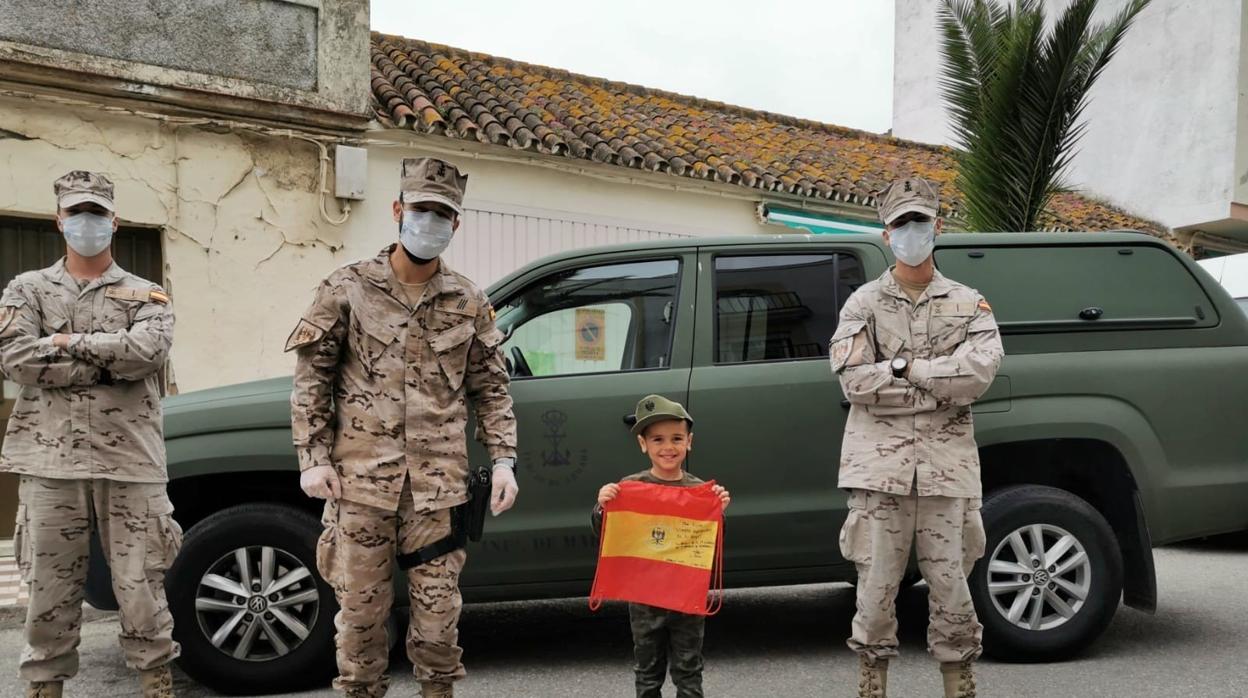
<point>665,432</point>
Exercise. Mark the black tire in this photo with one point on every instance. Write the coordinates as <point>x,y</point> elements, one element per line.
<point>1014,508</point>
<point>287,529</point>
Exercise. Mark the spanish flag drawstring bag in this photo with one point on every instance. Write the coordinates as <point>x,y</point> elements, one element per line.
<point>660,546</point>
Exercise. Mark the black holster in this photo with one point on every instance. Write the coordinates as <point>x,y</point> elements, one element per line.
<point>467,523</point>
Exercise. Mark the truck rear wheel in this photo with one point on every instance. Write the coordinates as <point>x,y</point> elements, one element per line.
<point>251,612</point>
<point>1051,576</point>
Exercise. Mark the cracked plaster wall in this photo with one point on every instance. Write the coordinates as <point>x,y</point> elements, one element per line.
<point>231,210</point>
<point>238,214</point>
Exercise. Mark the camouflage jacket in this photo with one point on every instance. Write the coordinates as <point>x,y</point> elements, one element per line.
<point>380,386</point>
<point>91,410</point>
<point>915,429</point>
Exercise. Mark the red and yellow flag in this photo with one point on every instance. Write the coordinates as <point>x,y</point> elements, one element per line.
<point>659,547</point>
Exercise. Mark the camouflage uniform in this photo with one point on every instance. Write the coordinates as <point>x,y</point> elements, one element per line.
<point>379,394</point>
<point>909,456</point>
<point>86,437</point>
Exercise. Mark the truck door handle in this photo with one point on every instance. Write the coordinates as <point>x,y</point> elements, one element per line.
<point>845,403</point>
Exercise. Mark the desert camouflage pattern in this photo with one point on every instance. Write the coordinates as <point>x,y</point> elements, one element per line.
<point>140,540</point>
<point>91,410</point>
<point>916,429</point>
<point>80,186</point>
<point>665,641</point>
<point>355,555</point>
<point>948,536</point>
<point>380,385</point>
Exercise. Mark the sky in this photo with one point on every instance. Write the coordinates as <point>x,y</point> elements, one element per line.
<point>827,60</point>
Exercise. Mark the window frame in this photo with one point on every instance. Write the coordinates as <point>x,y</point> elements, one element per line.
<point>835,252</point>
<point>526,282</point>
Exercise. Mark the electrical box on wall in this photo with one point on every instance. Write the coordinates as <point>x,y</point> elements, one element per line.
<point>350,172</point>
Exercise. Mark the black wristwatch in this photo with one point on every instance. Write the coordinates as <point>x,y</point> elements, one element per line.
<point>899,366</point>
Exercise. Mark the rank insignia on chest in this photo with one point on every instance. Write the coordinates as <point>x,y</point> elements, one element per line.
<point>459,305</point>
<point>141,295</point>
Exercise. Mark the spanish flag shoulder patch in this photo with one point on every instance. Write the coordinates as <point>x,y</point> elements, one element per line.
<point>983,305</point>
<point>155,296</point>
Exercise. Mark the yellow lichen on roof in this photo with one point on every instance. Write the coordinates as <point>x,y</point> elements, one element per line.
<point>459,94</point>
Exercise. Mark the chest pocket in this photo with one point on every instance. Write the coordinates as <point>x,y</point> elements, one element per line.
<point>369,339</point>
<point>451,347</point>
<point>55,321</point>
<point>118,308</point>
<point>948,324</point>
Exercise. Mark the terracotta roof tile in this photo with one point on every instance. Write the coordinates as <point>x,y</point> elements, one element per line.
<point>472,96</point>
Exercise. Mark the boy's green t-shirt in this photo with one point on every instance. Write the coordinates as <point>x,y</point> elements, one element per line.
<point>686,480</point>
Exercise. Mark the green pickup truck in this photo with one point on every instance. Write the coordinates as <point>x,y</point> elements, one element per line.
<point>1109,430</point>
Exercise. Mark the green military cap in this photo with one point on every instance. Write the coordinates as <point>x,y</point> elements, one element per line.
<point>909,195</point>
<point>80,186</point>
<point>431,179</point>
<point>656,408</point>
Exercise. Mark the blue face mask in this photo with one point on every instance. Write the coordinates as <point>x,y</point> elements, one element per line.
<point>88,234</point>
<point>425,234</point>
<point>913,242</point>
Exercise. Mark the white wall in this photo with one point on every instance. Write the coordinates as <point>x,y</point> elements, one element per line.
<point>1162,119</point>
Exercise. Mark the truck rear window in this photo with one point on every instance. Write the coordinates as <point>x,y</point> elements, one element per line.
<point>1049,288</point>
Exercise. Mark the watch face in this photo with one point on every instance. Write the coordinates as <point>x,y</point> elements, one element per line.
<point>899,363</point>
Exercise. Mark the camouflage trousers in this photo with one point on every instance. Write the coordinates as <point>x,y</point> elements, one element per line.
<point>662,638</point>
<point>355,554</point>
<point>140,540</point>
<point>948,536</point>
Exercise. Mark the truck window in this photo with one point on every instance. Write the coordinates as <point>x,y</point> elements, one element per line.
<point>614,317</point>
<point>780,307</point>
<point>1048,287</point>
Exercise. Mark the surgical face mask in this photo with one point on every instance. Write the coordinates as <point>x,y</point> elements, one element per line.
<point>913,242</point>
<point>88,234</point>
<point>425,234</point>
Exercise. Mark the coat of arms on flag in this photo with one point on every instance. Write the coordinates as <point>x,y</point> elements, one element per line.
<point>660,546</point>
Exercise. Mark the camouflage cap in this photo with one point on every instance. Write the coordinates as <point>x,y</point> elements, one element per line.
<point>431,179</point>
<point>909,195</point>
<point>81,186</point>
<point>656,408</point>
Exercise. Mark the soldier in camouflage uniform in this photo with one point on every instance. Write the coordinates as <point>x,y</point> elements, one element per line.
<point>387,352</point>
<point>913,350</point>
<point>85,341</point>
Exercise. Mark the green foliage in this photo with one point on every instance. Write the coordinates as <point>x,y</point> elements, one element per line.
<point>1015,87</point>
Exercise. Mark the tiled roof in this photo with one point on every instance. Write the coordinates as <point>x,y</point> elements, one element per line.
<point>447,91</point>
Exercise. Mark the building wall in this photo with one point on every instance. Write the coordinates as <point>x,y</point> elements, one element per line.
<point>244,243</point>
<point>284,53</point>
<point>1162,119</point>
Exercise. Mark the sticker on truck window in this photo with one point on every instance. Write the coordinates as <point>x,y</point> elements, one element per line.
<point>591,334</point>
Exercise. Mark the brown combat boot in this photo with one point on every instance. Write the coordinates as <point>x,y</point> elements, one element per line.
<point>157,683</point>
<point>44,689</point>
<point>437,689</point>
<point>872,677</point>
<point>959,679</point>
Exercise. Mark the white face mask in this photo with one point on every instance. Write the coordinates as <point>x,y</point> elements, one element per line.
<point>88,234</point>
<point>913,242</point>
<point>425,234</point>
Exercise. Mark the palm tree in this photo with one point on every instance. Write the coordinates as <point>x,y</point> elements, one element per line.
<point>1015,89</point>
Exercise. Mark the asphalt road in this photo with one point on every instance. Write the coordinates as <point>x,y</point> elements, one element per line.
<point>790,642</point>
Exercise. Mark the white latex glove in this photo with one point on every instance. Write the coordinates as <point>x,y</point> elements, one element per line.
<point>503,489</point>
<point>321,482</point>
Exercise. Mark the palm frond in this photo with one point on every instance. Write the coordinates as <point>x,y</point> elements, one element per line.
<point>1016,93</point>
